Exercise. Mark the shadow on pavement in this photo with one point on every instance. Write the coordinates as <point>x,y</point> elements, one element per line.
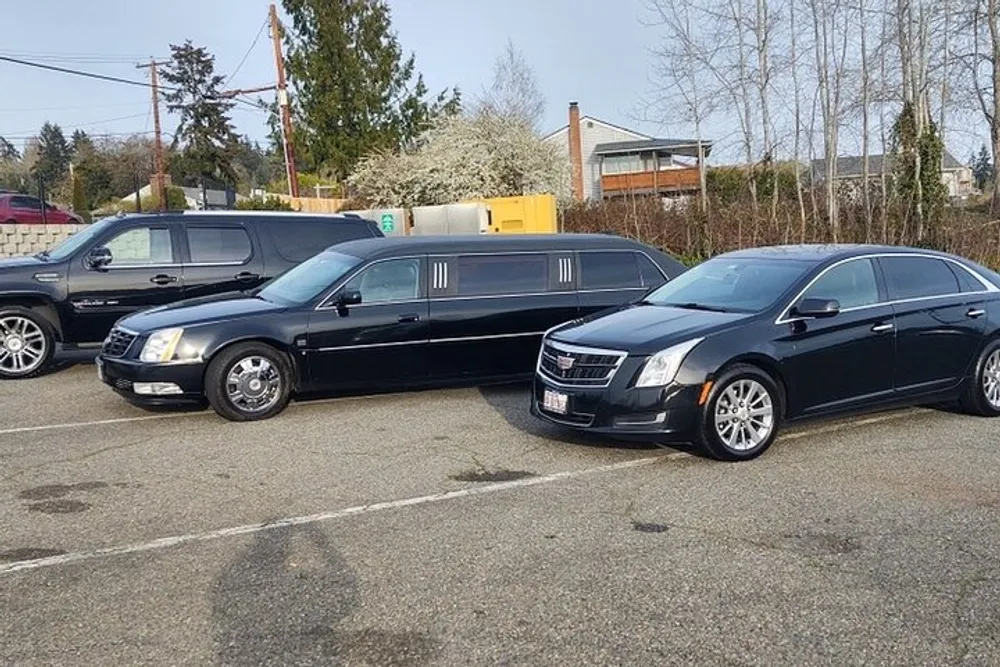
<point>512,401</point>
<point>284,600</point>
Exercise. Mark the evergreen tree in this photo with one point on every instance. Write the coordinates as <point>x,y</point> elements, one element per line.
<point>80,142</point>
<point>54,155</point>
<point>982,168</point>
<point>8,151</point>
<point>354,90</point>
<point>205,135</point>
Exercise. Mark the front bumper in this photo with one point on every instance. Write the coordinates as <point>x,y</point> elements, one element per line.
<point>664,414</point>
<point>123,374</point>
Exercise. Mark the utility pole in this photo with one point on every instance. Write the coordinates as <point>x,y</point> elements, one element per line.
<point>160,186</point>
<point>286,116</point>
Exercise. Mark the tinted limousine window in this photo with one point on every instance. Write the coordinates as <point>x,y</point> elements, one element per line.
<point>618,270</point>
<point>482,275</point>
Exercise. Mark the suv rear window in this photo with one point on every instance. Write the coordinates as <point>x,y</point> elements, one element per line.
<point>213,245</point>
<point>298,240</point>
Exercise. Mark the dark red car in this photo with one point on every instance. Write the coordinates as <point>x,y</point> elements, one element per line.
<point>25,209</point>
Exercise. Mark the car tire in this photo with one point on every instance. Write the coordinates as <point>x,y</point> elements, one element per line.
<point>985,382</point>
<point>249,382</point>
<point>27,343</point>
<point>743,432</point>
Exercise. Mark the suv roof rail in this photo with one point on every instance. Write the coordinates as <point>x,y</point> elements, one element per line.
<point>223,212</point>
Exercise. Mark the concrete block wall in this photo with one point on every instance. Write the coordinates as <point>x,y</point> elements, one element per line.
<point>16,240</point>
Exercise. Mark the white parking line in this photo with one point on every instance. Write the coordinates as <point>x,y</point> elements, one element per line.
<point>249,529</point>
<point>100,422</point>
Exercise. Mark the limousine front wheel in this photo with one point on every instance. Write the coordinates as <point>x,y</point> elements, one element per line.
<point>249,382</point>
<point>740,419</point>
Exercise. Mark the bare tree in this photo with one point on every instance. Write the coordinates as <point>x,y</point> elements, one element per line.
<point>679,77</point>
<point>514,92</point>
<point>797,114</point>
<point>865,126</point>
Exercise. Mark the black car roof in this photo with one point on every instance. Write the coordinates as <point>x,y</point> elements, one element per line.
<point>368,248</point>
<point>822,252</point>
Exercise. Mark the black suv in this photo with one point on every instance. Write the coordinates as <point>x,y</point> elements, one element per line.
<point>74,292</point>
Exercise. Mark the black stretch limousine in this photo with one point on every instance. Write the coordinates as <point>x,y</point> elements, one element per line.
<point>378,314</point>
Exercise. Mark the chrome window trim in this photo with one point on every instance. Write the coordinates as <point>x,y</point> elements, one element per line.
<point>123,267</point>
<point>331,292</point>
<point>576,349</point>
<point>786,318</point>
<point>461,339</point>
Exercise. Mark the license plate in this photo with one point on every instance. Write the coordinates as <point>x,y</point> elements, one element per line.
<point>555,402</point>
<point>100,370</point>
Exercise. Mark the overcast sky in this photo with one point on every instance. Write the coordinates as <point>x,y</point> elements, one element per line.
<point>579,50</point>
<point>591,51</point>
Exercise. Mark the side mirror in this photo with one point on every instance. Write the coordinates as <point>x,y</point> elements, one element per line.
<point>351,297</point>
<point>99,258</point>
<point>818,308</point>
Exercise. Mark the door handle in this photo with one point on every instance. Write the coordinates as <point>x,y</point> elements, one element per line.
<point>879,328</point>
<point>975,312</point>
<point>163,279</point>
<point>408,317</point>
<point>246,277</point>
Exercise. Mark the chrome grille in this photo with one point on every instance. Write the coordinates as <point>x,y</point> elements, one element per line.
<point>117,343</point>
<point>570,365</point>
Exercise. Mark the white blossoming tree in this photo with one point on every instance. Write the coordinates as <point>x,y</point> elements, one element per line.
<point>463,157</point>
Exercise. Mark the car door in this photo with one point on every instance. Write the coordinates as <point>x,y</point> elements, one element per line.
<point>220,256</point>
<point>489,311</point>
<point>845,360</point>
<point>379,342</point>
<point>144,271</point>
<point>26,210</point>
<point>609,278</point>
<point>939,328</point>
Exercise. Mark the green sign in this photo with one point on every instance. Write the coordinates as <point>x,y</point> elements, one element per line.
<point>387,223</point>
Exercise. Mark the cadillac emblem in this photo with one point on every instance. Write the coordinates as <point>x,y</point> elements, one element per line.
<point>565,363</point>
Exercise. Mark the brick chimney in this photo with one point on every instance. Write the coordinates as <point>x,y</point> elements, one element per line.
<point>575,150</point>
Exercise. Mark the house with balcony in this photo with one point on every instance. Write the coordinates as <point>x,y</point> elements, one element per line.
<point>609,161</point>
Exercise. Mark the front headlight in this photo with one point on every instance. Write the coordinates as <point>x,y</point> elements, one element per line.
<point>661,368</point>
<point>160,346</point>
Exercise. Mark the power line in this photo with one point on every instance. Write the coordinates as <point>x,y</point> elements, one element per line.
<point>247,54</point>
<point>80,56</point>
<point>88,124</point>
<point>76,72</point>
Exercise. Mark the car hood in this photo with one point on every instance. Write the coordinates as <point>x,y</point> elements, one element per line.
<point>644,329</point>
<point>21,263</point>
<point>194,312</point>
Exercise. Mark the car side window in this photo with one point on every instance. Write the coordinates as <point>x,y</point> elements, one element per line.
<point>388,281</point>
<point>966,280</point>
<point>918,277</point>
<point>650,273</point>
<point>481,275</point>
<point>216,245</point>
<point>297,241</point>
<point>852,284</point>
<point>141,246</point>
<point>26,202</point>
<point>609,270</point>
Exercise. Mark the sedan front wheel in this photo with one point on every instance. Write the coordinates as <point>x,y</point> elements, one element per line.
<point>741,417</point>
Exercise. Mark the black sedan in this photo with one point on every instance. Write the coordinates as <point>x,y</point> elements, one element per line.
<point>727,352</point>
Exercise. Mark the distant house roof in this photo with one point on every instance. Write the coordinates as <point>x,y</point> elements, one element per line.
<point>583,119</point>
<point>853,166</point>
<point>674,146</point>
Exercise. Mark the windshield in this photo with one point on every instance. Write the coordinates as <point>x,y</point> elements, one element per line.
<point>306,281</point>
<point>70,245</point>
<point>741,285</point>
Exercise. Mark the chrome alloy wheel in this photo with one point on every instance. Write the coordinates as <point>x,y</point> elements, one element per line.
<point>253,384</point>
<point>991,380</point>
<point>23,346</point>
<point>744,415</point>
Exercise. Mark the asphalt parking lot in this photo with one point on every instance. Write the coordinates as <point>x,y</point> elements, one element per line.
<point>450,528</point>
